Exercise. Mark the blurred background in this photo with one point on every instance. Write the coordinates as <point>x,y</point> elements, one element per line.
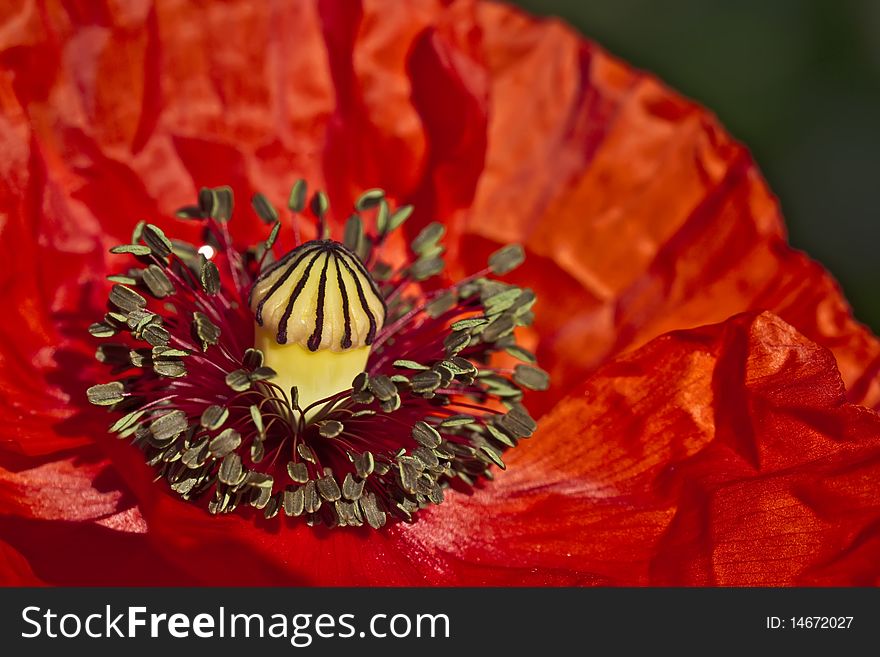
<point>797,81</point>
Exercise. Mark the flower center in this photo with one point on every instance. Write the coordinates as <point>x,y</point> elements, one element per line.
<point>327,383</point>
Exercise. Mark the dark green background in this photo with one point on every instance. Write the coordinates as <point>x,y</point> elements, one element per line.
<point>798,81</point>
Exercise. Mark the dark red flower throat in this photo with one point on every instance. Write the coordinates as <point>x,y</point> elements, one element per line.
<point>328,383</point>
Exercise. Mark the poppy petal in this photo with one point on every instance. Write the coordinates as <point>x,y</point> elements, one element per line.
<point>14,568</point>
<point>723,455</point>
<point>639,212</point>
<point>342,93</point>
<point>115,113</point>
<point>80,503</point>
<point>52,269</point>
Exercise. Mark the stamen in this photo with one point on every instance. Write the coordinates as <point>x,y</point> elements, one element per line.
<point>344,391</point>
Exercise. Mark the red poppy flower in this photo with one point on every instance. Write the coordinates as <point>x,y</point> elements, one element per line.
<point>710,420</point>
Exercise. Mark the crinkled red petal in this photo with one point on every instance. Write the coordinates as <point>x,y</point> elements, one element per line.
<point>639,213</point>
<point>640,216</point>
<point>725,455</point>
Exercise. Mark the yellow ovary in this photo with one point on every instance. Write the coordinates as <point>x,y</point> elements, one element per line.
<point>317,312</point>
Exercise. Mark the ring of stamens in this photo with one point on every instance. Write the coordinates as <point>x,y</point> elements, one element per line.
<point>432,406</point>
